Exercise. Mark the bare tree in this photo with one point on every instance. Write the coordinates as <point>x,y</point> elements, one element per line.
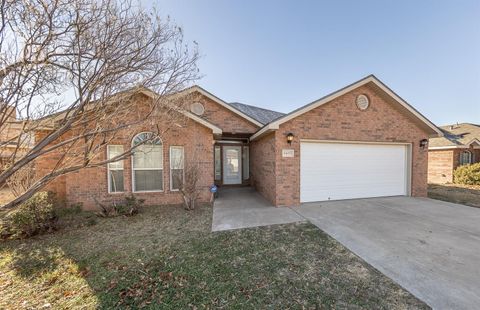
<point>189,188</point>
<point>70,75</point>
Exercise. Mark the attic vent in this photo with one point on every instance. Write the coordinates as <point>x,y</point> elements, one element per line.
<point>362,102</point>
<point>197,108</point>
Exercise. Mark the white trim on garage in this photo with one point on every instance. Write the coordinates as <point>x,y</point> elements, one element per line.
<point>326,145</point>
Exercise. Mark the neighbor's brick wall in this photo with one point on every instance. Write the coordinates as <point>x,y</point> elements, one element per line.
<point>342,120</point>
<point>457,152</point>
<point>440,166</point>
<point>228,121</point>
<point>442,163</point>
<point>262,161</point>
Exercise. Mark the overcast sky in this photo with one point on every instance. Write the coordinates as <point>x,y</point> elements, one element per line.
<point>284,54</point>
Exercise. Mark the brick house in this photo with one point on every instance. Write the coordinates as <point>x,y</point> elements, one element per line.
<point>361,141</point>
<point>13,143</point>
<point>459,145</point>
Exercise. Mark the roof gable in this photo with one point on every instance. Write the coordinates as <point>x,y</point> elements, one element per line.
<point>371,79</point>
<point>461,135</point>
<point>222,103</point>
<point>215,129</point>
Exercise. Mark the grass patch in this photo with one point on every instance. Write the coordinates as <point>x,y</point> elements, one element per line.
<point>167,258</point>
<point>463,194</point>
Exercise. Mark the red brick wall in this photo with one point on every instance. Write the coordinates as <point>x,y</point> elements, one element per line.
<point>45,164</point>
<point>225,119</point>
<point>342,120</point>
<point>440,166</point>
<point>86,184</point>
<point>262,161</point>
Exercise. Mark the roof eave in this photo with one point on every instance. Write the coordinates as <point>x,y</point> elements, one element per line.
<point>225,105</point>
<point>434,130</point>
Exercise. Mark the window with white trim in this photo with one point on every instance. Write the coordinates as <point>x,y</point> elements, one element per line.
<point>465,158</point>
<point>147,163</point>
<point>177,157</point>
<point>115,169</point>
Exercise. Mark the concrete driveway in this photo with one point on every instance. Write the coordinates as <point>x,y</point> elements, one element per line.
<point>430,247</point>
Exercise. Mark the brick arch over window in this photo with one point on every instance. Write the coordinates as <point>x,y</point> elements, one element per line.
<point>147,163</point>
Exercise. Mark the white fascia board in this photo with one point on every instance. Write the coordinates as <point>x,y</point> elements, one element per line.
<point>406,105</point>
<point>216,130</point>
<point>225,105</point>
<point>275,124</point>
<point>447,147</point>
<point>475,140</point>
<point>264,130</point>
<point>466,146</point>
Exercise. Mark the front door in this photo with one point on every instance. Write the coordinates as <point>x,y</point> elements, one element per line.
<point>232,165</point>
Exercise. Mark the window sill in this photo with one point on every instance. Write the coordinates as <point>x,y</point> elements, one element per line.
<point>146,192</point>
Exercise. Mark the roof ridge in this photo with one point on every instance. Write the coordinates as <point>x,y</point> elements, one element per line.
<point>458,124</point>
<point>254,106</point>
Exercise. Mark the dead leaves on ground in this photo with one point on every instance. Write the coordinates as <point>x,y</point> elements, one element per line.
<point>149,288</point>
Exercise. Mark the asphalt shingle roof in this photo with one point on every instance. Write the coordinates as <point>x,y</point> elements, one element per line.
<point>261,115</point>
<point>456,135</point>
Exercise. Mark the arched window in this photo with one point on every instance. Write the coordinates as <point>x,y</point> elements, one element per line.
<point>465,158</point>
<point>147,163</point>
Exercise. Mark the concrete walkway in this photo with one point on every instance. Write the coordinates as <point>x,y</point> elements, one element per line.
<point>243,207</point>
<point>430,247</point>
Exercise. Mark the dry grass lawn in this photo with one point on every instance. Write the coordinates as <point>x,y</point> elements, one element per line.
<point>167,258</point>
<point>464,194</point>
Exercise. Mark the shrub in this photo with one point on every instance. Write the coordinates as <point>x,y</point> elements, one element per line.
<point>467,174</point>
<point>72,210</point>
<point>129,207</point>
<point>34,216</point>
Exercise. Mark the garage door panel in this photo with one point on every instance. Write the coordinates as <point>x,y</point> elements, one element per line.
<point>330,171</point>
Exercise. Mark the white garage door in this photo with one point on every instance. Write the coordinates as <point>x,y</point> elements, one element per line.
<point>332,171</point>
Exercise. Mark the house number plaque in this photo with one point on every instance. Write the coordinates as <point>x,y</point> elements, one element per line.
<point>288,153</point>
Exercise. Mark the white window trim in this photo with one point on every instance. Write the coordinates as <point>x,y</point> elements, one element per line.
<point>170,161</point>
<point>134,169</point>
<point>115,169</point>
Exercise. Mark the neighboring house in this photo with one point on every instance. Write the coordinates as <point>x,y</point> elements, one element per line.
<point>12,143</point>
<point>361,141</point>
<point>459,145</point>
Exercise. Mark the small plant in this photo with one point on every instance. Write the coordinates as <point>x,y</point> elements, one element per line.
<point>34,216</point>
<point>467,174</point>
<point>129,207</point>
<point>133,205</point>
